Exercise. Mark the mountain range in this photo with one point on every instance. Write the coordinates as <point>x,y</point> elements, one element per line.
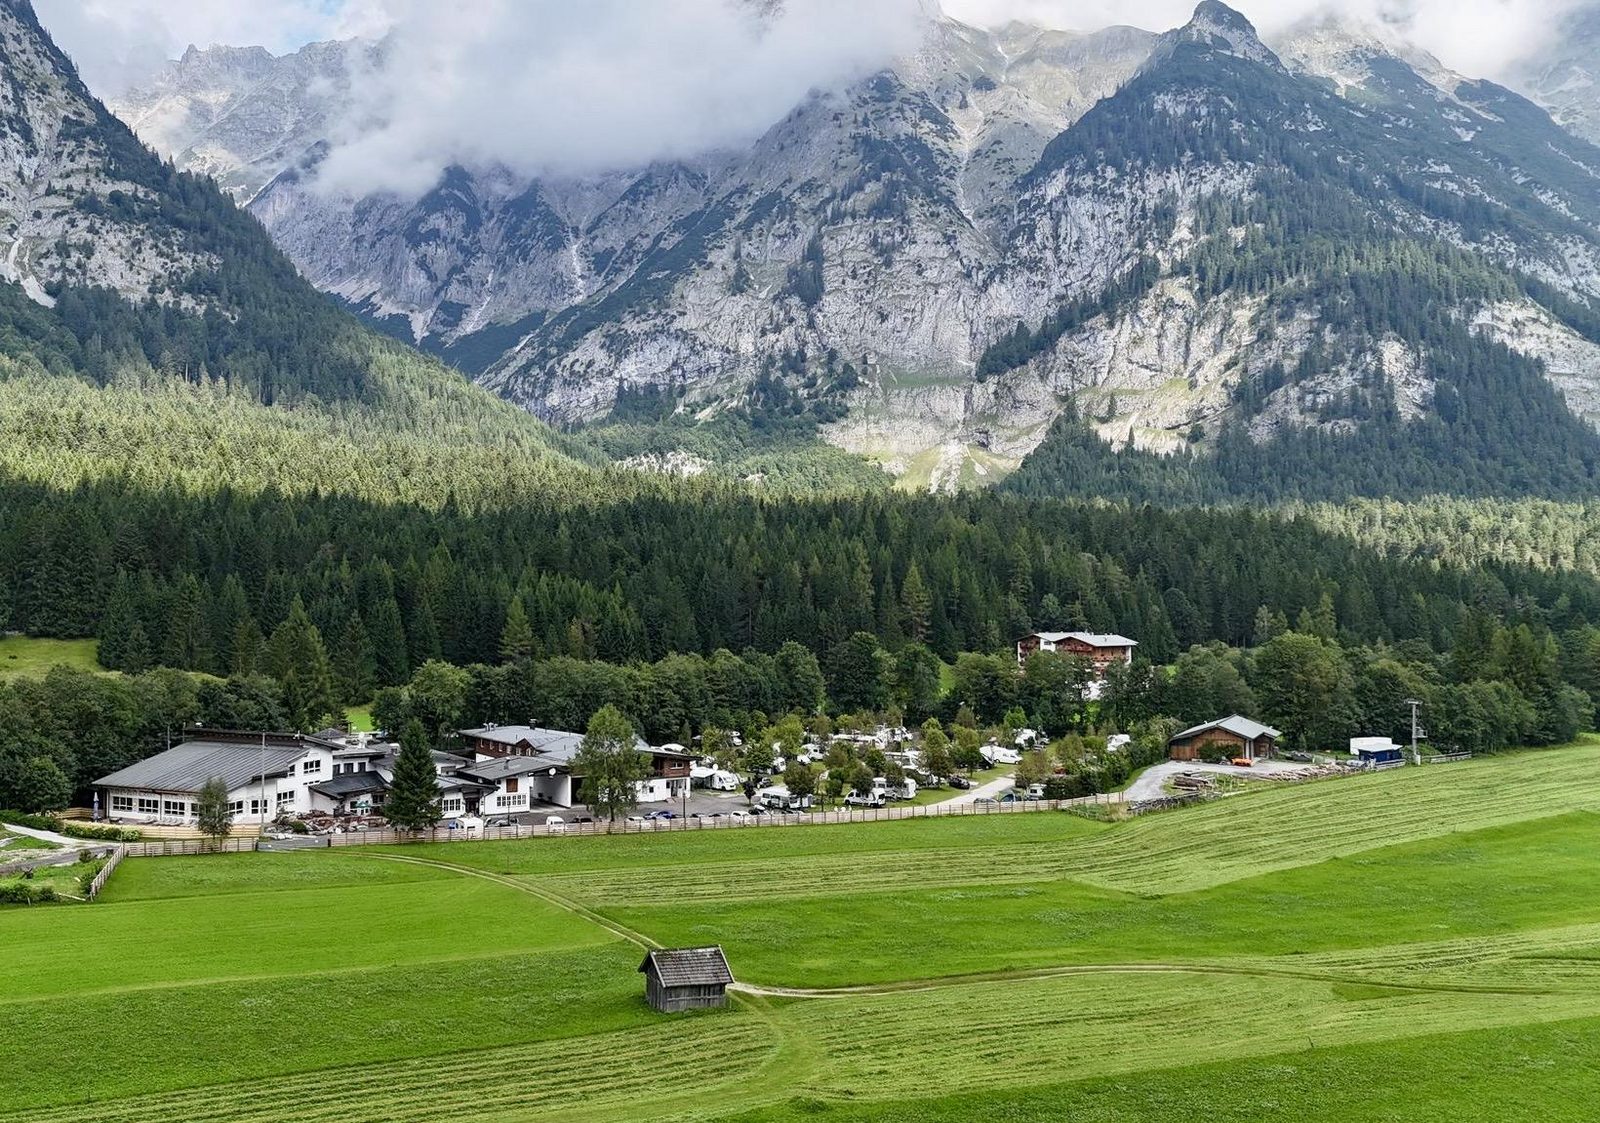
<point>935,262</point>
<point>1329,253</point>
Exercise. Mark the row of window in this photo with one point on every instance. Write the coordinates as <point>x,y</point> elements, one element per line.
<point>147,806</point>
<point>451,805</point>
<point>505,801</point>
<point>127,804</point>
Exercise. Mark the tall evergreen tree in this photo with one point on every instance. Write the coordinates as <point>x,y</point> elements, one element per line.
<point>413,800</point>
<point>354,664</point>
<point>516,638</point>
<point>297,658</point>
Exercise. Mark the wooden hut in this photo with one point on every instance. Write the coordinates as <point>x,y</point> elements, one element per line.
<point>1234,736</point>
<point>686,979</point>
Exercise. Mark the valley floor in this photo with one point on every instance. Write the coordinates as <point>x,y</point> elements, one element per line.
<point>1422,943</point>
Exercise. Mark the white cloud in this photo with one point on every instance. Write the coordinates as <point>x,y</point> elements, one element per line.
<point>1479,38</point>
<point>583,85</point>
<point>551,85</point>
<point>119,42</point>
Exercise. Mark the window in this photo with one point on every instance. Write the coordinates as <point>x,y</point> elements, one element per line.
<point>122,803</point>
<point>149,806</point>
<point>310,768</point>
<point>451,805</point>
<point>285,797</point>
<point>174,807</point>
<point>504,801</point>
<point>511,786</point>
<point>291,770</point>
<point>236,807</point>
<point>255,807</point>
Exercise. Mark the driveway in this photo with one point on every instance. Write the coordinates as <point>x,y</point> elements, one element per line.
<point>1152,780</point>
<point>58,839</point>
<point>991,790</point>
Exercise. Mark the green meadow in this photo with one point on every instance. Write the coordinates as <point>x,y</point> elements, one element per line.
<point>28,657</point>
<point>1419,944</point>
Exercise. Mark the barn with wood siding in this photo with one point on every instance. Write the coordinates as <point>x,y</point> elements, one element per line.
<point>1235,736</point>
<point>678,979</point>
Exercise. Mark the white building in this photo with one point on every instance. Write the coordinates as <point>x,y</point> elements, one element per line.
<point>266,774</point>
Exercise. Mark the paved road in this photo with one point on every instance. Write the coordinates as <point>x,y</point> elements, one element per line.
<point>1152,780</point>
<point>990,790</point>
<point>52,836</point>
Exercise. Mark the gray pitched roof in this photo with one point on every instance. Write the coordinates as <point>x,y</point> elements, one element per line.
<point>544,742</point>
<point>689,967</point>
<point>1093,639</point>
<point>187,767</point>
<point>493,771</point>
<point>1242,726</point>
<point>351,783</point>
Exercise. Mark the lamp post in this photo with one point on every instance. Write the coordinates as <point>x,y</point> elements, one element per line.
<point>1416,758</point>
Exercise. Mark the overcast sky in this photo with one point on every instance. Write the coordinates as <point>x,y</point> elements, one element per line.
<point>579,85</point>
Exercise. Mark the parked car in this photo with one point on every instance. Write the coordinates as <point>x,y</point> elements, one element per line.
<point>985,799</point>
<point>1035,791</point>
<point>960,782</point>
<point>1009,797</point>
<point>868,799</point>
<point>557,824</point>
<point>661,815</point>
<point>502,821</point>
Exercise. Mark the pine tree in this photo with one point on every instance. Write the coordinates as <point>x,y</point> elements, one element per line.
<point>916,605</point>
<point>355,665</point>
<point>389,647</point>
<point>516,638</point>
<point>117,626</point>
<point>298,659</point>
<point>413,800</point>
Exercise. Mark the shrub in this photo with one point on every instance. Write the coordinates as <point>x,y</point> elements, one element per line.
<point>92,871</point>
<point>97,832</point>
<point>32,822</point>
<point>24,893</point>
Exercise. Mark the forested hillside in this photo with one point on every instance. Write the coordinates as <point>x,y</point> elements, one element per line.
<point>202,578</point>
<point>151,331</point>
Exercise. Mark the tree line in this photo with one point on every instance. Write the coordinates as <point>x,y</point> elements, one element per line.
<point>206,583</point>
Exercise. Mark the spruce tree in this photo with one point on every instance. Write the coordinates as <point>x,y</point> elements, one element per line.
<point>354,664</point>
<point>516,638</point>
<point>389,644</point>
<point>298,659</point>
<point>413,800</point>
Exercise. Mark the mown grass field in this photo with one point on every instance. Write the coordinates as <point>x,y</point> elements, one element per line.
<point>1421,944</point>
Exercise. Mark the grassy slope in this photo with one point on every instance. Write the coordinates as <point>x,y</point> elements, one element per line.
<point>1354,958</point>
<point>26,657</point>
<point>1532,1074</point>
<point>1529,875</point>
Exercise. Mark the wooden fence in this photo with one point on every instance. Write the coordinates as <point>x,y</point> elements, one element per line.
<point>113,860</point>
<point>157,848</point>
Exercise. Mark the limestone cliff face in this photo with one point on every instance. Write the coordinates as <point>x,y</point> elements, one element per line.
<point>69,213</point>
<point>876,243</point>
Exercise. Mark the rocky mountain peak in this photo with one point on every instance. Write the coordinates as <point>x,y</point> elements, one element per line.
<point>1224,29</point>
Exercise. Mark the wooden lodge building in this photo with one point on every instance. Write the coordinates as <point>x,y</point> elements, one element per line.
<point>1103,650</point>
<point>1236,736</point>
<point>677,979</point>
